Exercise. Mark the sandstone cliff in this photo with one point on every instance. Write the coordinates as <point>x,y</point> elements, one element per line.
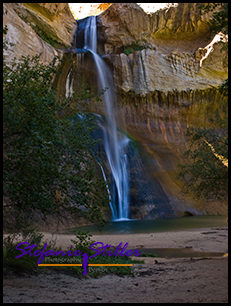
<point>165,71</point>
<point>166,74</point>
<point>175,52</point>
<point>38,28</point>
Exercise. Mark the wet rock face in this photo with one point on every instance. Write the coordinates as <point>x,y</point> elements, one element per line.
<point>148,199</point>
<point>159,122</point>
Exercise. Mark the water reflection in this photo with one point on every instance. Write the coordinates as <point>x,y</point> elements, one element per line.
<point>180,252</point>
<point>158,225</point>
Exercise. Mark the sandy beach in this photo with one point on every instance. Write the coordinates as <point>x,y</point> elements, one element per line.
<point>207,239</point>
<point>158,280</point>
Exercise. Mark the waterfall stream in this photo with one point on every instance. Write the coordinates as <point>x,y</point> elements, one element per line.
<point>134,190</point>
<point>115,144</point>
<point>139,178</point>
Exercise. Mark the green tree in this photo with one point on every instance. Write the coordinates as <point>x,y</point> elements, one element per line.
<point>207,172</point>
<point>219,24</point>
<point>219,21</point>
<point>48,165</point>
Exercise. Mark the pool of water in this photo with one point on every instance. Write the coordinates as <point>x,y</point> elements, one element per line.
<point>180,252</point>
<point>159,225</point>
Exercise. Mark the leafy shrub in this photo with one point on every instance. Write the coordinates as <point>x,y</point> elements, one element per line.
<point>48,163</point>
<point>132,48</point>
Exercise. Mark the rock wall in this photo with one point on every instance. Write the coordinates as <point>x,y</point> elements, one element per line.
<point>35,28</point>
<point>159,122</point>
<point>125,23</point>
<point>167,85</point>
<point>174,48</point>
<point>148,70</point>
<point>165,71</point>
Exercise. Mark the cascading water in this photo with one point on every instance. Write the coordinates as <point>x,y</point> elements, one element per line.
<point>115,144</point>
<point>134,188</point>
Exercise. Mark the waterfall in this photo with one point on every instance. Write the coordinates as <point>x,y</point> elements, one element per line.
<point>115,144</point>
<point>133,184</point>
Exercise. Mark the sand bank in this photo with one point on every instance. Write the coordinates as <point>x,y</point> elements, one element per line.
<point>178,280</point>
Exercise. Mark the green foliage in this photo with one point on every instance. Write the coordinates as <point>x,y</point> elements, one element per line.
<point>5,29</point>
<point>120,270</point>
<point>219,20</point>
<point>206,174</point>
<point>51,41</point>
<point>44,36</point>
<point>218,23</point>
<point>96,271</point>
<point>132,48</point>
<point>26,264</point>
<point>83,241</point>
<point>6,44</point>
<point>29,264</point>
<point>48,162</point>
<point>128,51</point>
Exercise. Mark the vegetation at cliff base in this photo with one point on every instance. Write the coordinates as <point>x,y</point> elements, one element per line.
<point>27,264</point>
<point>48,166</point>
<point>207,172</point>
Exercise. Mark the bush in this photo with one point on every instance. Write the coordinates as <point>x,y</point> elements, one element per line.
<point>48,163</point>
<point>132,48</point>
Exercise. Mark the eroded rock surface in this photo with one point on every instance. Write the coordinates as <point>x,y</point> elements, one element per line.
<point>173,43</point>
<point>164,88</point>
<point>36,28</point>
